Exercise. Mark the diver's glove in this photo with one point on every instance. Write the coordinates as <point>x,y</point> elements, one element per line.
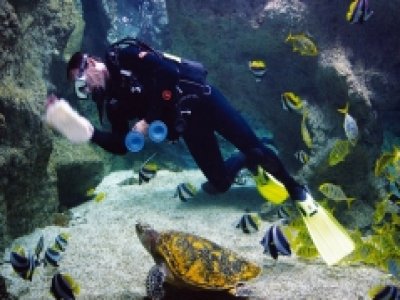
<point>63,118</point>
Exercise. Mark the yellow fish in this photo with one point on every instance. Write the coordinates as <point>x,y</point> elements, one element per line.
<point>386,159</point>
<point>100,197</point>
<point>90,192</point>
<point>291,102</point>
<point>339,151</point>
<point>302,44</point>
<point>334,192</point>
<point>302,156</point>
<point>304,131</point>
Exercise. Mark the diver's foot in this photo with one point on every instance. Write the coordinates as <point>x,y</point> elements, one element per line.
<point>210,189</point>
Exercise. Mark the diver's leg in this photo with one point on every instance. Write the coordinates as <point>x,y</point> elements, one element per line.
<point>203,145</point>
<point>232,126</point>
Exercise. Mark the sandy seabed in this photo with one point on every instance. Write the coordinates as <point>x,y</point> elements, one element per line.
<point>108,261</point>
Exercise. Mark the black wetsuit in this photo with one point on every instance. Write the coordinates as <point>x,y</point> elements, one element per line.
<point>205,112</point>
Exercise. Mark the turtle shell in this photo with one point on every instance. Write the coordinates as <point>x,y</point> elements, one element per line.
<point>201,263</point>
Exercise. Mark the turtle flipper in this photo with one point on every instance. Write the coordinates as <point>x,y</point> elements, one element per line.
<point>241,290</point>
<point>154,282</point>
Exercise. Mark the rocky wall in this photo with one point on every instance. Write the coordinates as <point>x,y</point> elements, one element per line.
<point>32,33</point>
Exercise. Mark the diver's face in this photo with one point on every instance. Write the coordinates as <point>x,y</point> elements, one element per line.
<point>90,76</point>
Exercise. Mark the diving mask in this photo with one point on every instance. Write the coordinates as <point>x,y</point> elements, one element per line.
<point>81,89</point>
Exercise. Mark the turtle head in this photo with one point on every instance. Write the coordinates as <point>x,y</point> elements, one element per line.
<point>147,236</point>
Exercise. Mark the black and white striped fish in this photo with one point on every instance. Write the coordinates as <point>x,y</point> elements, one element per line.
<point>147,170</point>
<point>24,265</point>
<point>61,241</point>
<point>275,242</point>
<point>63,286</point>
<point>185,191</point>
<point>249,223</point>
<point>52,256</point>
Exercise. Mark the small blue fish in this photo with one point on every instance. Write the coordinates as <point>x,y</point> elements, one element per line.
<point>349,125</point>
<point>275,242</point>
<point>185,191</point>
<point>249,223</point>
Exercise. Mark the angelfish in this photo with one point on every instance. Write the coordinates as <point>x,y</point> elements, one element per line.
<point>349,125</point>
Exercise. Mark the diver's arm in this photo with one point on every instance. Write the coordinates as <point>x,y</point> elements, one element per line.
<point>111,142</point>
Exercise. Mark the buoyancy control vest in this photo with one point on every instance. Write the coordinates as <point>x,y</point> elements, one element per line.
<point>188,70</point>
<point>190,73</point>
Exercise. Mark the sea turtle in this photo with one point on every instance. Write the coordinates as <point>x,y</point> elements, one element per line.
<point>189,261</point>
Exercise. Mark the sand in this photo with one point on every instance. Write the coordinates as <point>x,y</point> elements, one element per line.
<point>106,258</point>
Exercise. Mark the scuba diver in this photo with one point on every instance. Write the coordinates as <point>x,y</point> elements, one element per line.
<point>136,82</point>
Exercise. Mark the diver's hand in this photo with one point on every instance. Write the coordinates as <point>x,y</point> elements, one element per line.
<point>51,99</point>
<point>64,119</point>
<point>142,126</point>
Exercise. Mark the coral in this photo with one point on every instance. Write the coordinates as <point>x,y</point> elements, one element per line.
<point>9,31</point>
<point>292,10</point>
<point>34,31</point>
<point>357,76</point>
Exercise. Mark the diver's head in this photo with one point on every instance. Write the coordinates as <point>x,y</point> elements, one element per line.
<point>88,73</point>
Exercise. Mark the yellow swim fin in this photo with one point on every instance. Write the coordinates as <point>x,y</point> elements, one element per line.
<point>269,187</point>
<point>330,238</point>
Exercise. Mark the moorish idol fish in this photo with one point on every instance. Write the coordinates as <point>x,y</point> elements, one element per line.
<point>274,242</point>
<point>185,191</point>
<point>249,223</point>
<point>63,286</point>
<point>358,12</point>
<point>148,170</point>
